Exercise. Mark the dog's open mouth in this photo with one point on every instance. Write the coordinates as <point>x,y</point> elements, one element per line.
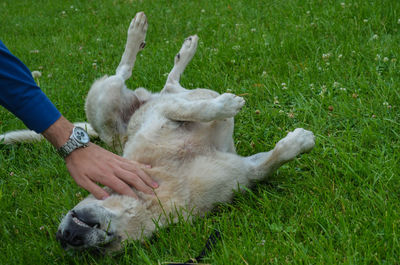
<point>83,232</point>
<point>83,223</point>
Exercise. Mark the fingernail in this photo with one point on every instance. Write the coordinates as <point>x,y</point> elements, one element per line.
<point>155,184</point>
<point>104,197</point>
<point>147,166</point>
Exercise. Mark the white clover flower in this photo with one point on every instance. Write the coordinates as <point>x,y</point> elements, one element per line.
<point>393,60</point>
<point>340,56</point>
<point>323,91</point>
<point>343,5</point>
<point>34,51</point>
<point>385,103</point>
<point>203,11</point>
<point>283,84</point>
<point>326,56</point>
<point>375,37</point>
<point>233,61</point>
<point>385,59</point>
<point>253,30</point>
<point>308,12</point>
<point>365,20</point>
<point>36,74</point>
<point>343,89</point>
<point>276,101</point>
<point>264,73</point>
<point>336,84</point>
<point>236,47</point>
<point>398,21</point>
<point>312,86</point>
<point>377,57</point>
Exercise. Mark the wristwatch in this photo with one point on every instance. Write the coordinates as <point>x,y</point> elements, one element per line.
<point>79,138</point>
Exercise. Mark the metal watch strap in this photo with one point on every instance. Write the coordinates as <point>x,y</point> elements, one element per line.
<point>70,146</point>
<point>67,148</point>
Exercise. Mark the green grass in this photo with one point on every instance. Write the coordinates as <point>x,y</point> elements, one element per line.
<point>340,65</point>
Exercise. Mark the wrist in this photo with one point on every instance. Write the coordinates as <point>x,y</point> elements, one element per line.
<point>59,132</point>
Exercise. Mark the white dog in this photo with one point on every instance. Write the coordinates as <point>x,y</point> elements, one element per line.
<point>186,135</point>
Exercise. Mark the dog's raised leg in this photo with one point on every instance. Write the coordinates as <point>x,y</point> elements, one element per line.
<point>224,106</point>
<point>182,59</point>
<point>135,42</point>
<point>109,104</point>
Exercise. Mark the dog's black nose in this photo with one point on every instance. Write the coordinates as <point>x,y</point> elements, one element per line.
<point>77,228</point>
<point>60,238</point>
<point>72,235</point>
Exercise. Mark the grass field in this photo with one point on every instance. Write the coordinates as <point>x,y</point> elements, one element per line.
<point>331,67</point>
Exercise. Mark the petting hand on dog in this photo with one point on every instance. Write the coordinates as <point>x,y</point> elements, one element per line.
<point>93,164</point>
<point>20,94</point>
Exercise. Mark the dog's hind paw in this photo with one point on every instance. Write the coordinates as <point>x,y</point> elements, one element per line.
<point>229,105</point>
<point>297,142</point>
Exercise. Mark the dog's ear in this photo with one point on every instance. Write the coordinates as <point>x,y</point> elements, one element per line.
<point>142,94</point>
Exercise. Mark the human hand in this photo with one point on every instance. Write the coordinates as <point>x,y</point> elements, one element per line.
<point>94,164</point>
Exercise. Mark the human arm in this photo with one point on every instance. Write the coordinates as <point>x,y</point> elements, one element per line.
<point>20,95</point>
<point>93,164</point>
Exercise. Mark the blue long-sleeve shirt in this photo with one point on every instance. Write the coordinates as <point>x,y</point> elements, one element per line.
<point>20,94</point>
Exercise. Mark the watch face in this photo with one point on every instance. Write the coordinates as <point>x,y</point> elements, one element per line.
<point>81,135</point>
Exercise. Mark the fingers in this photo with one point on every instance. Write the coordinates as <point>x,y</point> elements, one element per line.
<point>94,164</point>
<point>94,189</point>
<point>135,181</point>
<point>119,186</point>
<point>136,169</point>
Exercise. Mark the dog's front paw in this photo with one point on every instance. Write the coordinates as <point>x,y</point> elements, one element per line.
<point>188,50</point>
<point>229,105</point>
<point>137,29</point>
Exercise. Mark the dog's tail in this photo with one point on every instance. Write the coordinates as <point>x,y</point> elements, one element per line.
<point>28,136</point>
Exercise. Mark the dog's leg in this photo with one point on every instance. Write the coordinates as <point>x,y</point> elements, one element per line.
<point>224,106</point>
<point>182,59</point>
<point>297,142</point>
<point>226,172</point>
<point>135,42</point>
<point>109,104</point>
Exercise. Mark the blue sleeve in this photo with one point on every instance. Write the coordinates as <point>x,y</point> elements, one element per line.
<point>20,94</point>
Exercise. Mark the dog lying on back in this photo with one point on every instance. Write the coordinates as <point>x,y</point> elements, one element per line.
<point>186,135</point>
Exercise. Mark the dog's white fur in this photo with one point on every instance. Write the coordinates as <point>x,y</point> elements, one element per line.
<point>186,135</point>
<point>28,136</point>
